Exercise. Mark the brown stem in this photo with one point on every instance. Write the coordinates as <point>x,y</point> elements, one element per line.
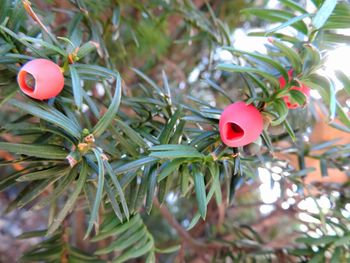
<point>65,241</point>
<point>172,221</point>
<point>198,246</point>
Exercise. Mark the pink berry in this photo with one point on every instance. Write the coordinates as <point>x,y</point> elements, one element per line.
<point>305,90</point>
<point>41,79</point>
<point>240,124</point>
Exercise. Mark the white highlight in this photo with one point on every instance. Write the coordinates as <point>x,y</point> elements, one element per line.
<point>248,43</point>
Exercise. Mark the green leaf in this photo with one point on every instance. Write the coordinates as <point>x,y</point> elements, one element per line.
<point>293,5</point>
<point>95,70</point>
<point>176,154</point>
<point>291,54</point>
<point>339,127</point>
<point>7,97</point>
<point>80,256</point>
<point>342,115</point>
<point>124,241</point>
<point>216,87</point>
<point>138,250</point>
<point>323,240</point>
<point>318,258</point>
<point>77,89</point>
<point>194,221</point>
<point>163,190</point>
<point>260,83</point>
<point>215,173</point>
<point>343,241</point>
<point>151,189</point>
<point>277,15</point>
<point>110,114</point>
<point>185,179</point>
<point>91,104</point>
<point>10,179</point>
<point>145,100</point>
<point>166,86</point>
<point>56,223</point>
<point>345,80</point>
<point>45,151</point>
<point>133,135</point>
<point>87,48</point>
<point>288,23</point>
<point>51,115</point>
<point>199,186</point>
<point>301,252</point>
<point>324,13</point>
<point>240,69</point>
<point>99,192</point>
<point>45,44</point>
<point>327,91</point>
<point>5,10</point>
<point>297,96</point>
<point>134,222</point>
<point>133,239</point>
<point>148,80</point>
<point>336,256</point>
<point>176,138</point>
<point>173,147</point>
<point>168,250</point>
<point>282,111</point>
<point>283,37</point>
<point>29,193</point>
<point>31,234</point>
<point>168,168</point>
<point>61,187</point>
<point>332,101</point>
<point>312,59</point>
<point>23,42</point>
<point>289,130</point>
<point>133,165</point>
<point>34,128</point>
<point>263,58</point>
<point>118,188</point>
<point>323,167</point>
<point>164,136</point>
<point>127,145</point>
<point>47,255</point>
<point>333,39</point>
<point>337,22</point>
<point>114,203</point>
<point>151,258</point>
<point>324,145</point>
<point>197,216</point>
<point>56,171</point>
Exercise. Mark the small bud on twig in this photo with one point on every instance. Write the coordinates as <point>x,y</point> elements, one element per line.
<point>83,147</point>
<point>89,139</point>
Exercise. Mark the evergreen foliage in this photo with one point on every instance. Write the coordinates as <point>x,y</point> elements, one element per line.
<point>135,146</point>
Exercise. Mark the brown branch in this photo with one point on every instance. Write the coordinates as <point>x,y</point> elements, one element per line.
<point>172,221</point>
<point>65,241</point>
<point>198,246</point>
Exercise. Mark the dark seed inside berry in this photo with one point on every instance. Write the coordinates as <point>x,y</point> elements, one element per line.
<point>30,81</point>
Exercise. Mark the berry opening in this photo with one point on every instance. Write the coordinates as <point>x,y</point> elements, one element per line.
<point>233,131</point>
<point>26,81</point>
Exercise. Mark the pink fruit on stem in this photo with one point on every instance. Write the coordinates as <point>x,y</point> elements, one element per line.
<point>41,79</point>
<point>305,90</point>
<point>240,124</point>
